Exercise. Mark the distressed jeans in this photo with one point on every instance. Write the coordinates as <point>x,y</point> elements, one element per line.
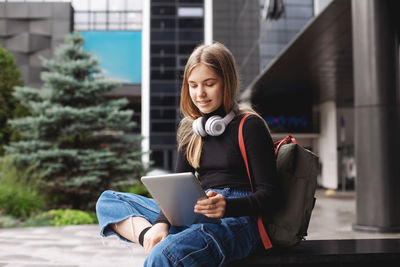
<point>202,244</point>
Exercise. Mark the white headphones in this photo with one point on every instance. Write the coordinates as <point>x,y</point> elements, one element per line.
<point>215,125</point>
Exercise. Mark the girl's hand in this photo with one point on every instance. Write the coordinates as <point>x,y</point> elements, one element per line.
<point>155,234</point>
<point>212,207</point>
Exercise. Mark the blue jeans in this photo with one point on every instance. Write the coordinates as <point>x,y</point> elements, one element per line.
<point>202,244</point>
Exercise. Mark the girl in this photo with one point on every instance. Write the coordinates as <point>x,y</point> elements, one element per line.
<point>209,146</point>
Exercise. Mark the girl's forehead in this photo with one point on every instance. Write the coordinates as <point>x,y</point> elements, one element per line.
<point>202,71</point>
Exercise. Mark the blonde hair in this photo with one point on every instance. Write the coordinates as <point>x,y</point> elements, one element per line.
<point>217,57</point>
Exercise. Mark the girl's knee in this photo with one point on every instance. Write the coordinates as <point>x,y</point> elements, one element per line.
<point>157,258</point>
<point>106,195</point>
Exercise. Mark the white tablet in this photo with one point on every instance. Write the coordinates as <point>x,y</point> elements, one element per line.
<point>176,194</point>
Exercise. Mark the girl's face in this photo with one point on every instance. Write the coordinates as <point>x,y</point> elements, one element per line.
<point>205,88</point>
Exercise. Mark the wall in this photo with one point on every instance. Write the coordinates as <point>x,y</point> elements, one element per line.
<point>31,30</point>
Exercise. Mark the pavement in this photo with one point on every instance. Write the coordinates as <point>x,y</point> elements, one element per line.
<point>81,245</point>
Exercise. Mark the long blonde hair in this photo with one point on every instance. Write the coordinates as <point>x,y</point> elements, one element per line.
<point>217,57</point>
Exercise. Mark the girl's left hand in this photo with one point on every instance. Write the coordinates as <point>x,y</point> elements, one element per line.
<point>213,206</point>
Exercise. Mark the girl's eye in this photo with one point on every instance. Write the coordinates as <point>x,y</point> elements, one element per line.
<point>193,85</point>
<point>210,84</point>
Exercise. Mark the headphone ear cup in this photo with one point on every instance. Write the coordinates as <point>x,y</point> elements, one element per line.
<point>215,126</point>
<point>198,128</point>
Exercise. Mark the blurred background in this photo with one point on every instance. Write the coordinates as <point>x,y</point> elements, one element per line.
<point>325,71</point>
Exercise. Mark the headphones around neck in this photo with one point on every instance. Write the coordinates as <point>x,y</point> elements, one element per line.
<point>215,125</point>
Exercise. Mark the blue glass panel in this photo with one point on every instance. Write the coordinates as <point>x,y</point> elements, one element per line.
<point>119,53</point>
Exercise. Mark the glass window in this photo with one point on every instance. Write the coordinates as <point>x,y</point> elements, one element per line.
<point>81,27</point>
<point>80,4</point>
<point>163,87</point>
<point>162,49</point>
<point>99,26</point>
<point>191,23</point>
<point>115,14</point>
<point>163,100</point>
<point>191,1</point>
<point>134,17</point>
<point>166,61</point>
<point>100,17</point>
<point>195,36</point>
<point>162,23</point>
<point>81,17</point>
<point>165,75</point>
<point>98,5</point>
<point>163,10</point>
<point>163,127</point>
<point>114,17</point>
<point>116,5</point>
<point>115,27</point>
<point>134,5</point>
<point>163,114</point>
<point>186,49</point>
<point>190,12</point>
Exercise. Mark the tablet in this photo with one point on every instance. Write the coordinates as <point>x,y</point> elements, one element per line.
<point>176,194</point>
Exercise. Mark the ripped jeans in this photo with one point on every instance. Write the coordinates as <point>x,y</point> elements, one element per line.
<point>202,244</point>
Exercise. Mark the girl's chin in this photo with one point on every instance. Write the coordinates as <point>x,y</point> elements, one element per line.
<point>206,110</point>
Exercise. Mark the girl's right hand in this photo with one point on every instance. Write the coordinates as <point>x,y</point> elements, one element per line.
<point>155,234</point>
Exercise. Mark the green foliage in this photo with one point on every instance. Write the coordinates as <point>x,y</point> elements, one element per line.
<point>10,108</point>
<point>19,189</point>
<point>72,217</point>
<point>138,189</point>
<point>62,217</point>
<point>40,219</point>
<point>79,139</point>
<point>7,221</point>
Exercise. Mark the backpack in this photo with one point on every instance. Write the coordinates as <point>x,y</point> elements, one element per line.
<point>297,170</point>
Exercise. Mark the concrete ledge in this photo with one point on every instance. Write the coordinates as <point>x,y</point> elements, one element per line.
<point>347,252</point>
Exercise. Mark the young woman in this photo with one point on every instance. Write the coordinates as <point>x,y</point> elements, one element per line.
<point>209,147</point>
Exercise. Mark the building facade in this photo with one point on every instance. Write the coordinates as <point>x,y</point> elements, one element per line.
<point>32,30</point>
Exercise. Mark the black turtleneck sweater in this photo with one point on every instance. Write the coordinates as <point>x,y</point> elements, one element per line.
<point>222,165</point>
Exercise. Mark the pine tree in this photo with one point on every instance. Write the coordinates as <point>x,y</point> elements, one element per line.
<point>10,108</point>
<point>77,137</point>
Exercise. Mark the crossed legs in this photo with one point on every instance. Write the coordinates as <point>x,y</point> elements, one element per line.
<point>131,228</point>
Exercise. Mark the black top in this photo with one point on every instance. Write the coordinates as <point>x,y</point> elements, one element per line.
<point>222,165</point>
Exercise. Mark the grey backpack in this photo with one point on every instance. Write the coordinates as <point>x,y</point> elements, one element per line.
<point>297,170</point>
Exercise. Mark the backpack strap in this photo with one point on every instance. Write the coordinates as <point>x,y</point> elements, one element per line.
<point>263,233</point>
<point>287,140</point>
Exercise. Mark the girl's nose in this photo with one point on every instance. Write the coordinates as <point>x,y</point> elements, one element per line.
<point>201,91</point>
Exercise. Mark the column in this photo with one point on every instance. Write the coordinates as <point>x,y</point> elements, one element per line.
<point>377,115</point>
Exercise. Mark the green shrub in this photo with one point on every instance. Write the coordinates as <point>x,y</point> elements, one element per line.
<point>10,108</point>
<point>63,217</point>
<point>138,189</point>
<point>7,221</point>
<point>19,189</point>
<point>41,219</point>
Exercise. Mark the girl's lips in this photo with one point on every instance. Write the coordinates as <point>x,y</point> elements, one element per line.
<point>203,103</point>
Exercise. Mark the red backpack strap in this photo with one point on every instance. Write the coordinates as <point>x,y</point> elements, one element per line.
<point>263,233</point>
<point>287,140</point>
<point>243,148</point>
